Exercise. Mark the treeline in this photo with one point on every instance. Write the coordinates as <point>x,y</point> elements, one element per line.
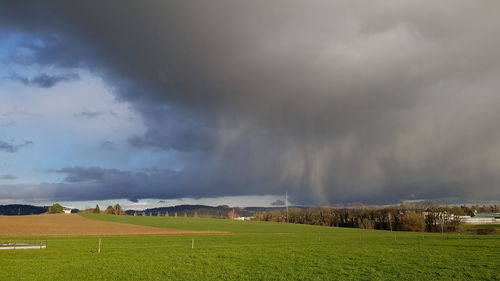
<point>406,217</point>
<point>110,210</point>
<point>221,211</point>
<point>114,210</point>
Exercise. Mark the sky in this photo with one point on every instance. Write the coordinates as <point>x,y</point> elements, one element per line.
<point>237,102</point>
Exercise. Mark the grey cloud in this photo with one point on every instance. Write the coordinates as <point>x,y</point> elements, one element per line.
<point>7,177</point>
<point>331,101</point>
<point>85,183</point>
<point>6,119</point>
<point>89,114</point>
<point>92,174</point>
<point>13,148</point>
<point>107,145</point>
<point>172,128</point>
<point>182,139</point>
<point>44,80</point>
<point>93,183</point>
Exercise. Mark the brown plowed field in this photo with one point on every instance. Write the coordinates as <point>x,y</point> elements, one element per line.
<point>75,225</point>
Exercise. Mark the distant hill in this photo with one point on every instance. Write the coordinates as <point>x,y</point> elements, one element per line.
<point>17,209</point>
<point>188,210</point>
<point>221,211</point>
<point>268,209</point>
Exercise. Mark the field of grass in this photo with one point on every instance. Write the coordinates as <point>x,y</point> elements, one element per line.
<point>216,224</point>
<point>257,251</point>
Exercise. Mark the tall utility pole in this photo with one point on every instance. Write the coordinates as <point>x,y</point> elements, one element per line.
<point>286,205</point>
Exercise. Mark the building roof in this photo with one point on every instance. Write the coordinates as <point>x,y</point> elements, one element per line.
<point>487,215</point>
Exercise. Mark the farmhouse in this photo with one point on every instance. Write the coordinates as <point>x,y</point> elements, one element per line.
<point>478,218</point>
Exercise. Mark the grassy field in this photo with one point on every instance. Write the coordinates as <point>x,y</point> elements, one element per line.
<point>216,224</point>
<point>257,251</point>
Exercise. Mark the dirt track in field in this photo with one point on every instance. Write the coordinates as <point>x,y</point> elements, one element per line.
<point>75,225</point>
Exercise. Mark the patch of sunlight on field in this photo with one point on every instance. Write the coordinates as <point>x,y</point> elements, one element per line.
<point>216,224</point>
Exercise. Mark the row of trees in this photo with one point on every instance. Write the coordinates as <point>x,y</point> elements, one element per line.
<point>193,214</point>
<point>407,217</point>
<point>114,210</point>
<point>111,210</point>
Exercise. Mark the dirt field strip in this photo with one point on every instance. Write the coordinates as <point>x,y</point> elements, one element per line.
<point>75,225</point>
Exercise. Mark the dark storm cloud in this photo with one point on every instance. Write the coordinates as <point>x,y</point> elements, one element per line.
<point>12,147</point>
<point>331,101</point>
<point>44,80</point>
<point>79,174</point>
<point>94,183</point>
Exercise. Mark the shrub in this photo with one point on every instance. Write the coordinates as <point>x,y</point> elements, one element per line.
<point>110,210</point>
<point>56,209</point>
<point>412,221</point>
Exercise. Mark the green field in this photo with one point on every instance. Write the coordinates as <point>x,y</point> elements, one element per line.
<point>257,251</point>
